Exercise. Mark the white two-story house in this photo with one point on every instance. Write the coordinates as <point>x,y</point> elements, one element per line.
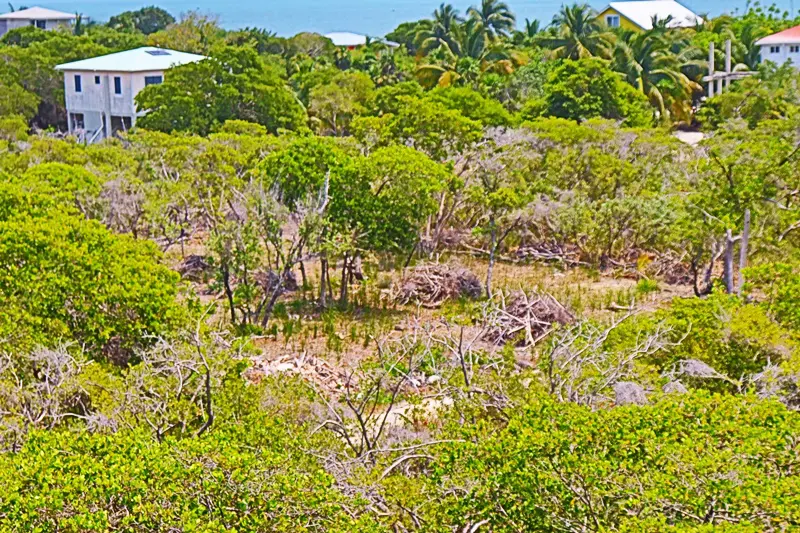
<point>781,47</point>
<point>100,91</point>
<point>44,19</point>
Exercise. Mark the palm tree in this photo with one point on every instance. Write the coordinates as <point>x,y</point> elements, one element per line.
<point>656,62</point>
<point>440,31</point>
<point>578,34</point>
<point>750,53</point>
<point>529,34</point>
<point>532,27</point>
<point>471,54</point>
<point>495,17</point>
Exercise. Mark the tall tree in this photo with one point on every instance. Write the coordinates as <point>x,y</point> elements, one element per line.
<point>440,32</point>
<point>578,34</point>
<point>529,33</point>
<point>649,64</point>
<point>146,20</point>
<point>495,17</point>
<point>470,55</point>
<point>234,84</point>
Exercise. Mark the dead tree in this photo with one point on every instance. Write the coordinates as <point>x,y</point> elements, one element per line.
<point>743,250</point>
<point>171,391</point>
<point>360,417</point>
<point>579,368</point>
<point>40,391</point>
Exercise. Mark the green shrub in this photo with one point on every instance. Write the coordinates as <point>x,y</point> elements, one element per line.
<point>557,465</point>
<point>248,476</point>
<point>65,278</point>
<point>587,88</point>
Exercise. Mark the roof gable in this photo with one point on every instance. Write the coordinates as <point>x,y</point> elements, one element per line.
<point>641,13</point>
<point>38,13</point>
<point>143,59</point>
<point>788,36</point>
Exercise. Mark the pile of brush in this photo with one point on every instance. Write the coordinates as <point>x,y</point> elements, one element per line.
<point>525,318</point>
<point>430,285</point>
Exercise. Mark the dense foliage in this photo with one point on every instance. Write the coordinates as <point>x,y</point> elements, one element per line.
<point>201,324</point>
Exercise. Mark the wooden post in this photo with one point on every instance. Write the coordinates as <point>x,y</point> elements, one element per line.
<point>743,250</point>
<point>711,69</point>
<point>727,63</point>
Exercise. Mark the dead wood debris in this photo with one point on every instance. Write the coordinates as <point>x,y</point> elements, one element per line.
<point>432,284</point>
<point>667,267</point>
<point>550,253</point>
<point>526,318</point>
<point>673,270</point>
<point>311,369</point>
<point>269,279</point>
<point>195,268</point>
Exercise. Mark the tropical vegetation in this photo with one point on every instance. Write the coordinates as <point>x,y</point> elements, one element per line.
<point>480,281</point>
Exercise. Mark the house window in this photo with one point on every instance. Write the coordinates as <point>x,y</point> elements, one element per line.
<point>612,21</point>
<point>794,49</point>
<point>153,80</point>
<point>41,24</point>
<point>78,86</point>
<point>774,49</point>
<point>97,80</point>
<point>117,85</point>
<point>77,121</point>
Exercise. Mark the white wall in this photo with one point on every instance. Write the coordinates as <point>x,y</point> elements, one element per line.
<point>93,97</point>
<point>137,84</point>
<point>7,25</point>
<point>98,99</point>
<point>784,54</point>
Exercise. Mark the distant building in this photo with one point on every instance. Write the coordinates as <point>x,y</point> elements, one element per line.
<point>351,41</point>
<point>100,91</point>
<point>781,47</point>
<point>638,15</point>
<point>45,19</point>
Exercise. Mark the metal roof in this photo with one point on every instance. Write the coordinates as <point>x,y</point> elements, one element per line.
<point>346,38</point>
<point>143,59</point>
<point>790,36</point>
<point>38,13</point>
<point>641,13</point>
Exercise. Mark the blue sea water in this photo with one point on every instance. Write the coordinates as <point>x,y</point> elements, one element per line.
<point>371,17</point>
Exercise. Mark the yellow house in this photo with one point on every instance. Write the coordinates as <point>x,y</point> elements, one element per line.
<point>638,15</point>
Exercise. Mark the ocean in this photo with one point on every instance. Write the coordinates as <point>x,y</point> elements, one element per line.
<point>370,17</point>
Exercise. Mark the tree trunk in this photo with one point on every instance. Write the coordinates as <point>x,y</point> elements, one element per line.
<point>356,269</point>
<point>303,277</point>
<point>323,269</point>
<point>276,292</point>
<point>743,251</point>
<point>328,278</point>
<point>492,250</point>
<point>226,283</point>
<point>728,259</point>
<point>343,288</point>
<point>411,254</point>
